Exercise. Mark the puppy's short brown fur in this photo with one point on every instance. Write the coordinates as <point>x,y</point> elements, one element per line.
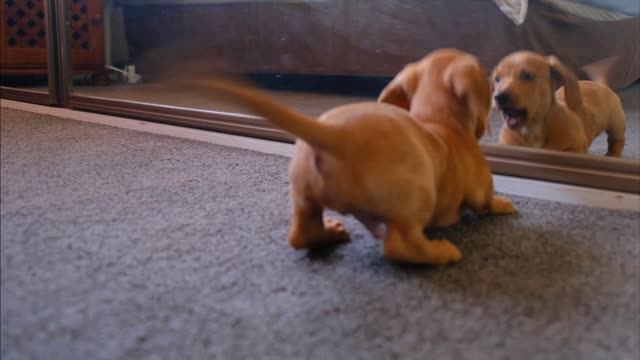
<point>386,165</point>
<point>567,120</point>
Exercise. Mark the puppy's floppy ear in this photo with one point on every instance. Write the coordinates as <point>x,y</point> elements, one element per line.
<point>568,79</point>
<point>468,80</point>
<point>492,89</point>
<point>399,91</point>
<point>492,78</point>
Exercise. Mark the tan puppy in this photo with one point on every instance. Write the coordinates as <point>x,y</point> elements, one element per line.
<point>567,120</point>
<point>384,166</point>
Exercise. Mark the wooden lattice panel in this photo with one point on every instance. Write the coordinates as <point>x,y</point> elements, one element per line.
<point>79,20</point>
<point>24,20</point>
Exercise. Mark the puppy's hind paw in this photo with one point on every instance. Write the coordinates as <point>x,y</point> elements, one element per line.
<point>502,205</point>
<point>427,252</point>
<point>443,252</point>
<point>331,233</point>
<point>335,231</point>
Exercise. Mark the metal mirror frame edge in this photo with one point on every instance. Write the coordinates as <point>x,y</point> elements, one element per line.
<point>29,96</point>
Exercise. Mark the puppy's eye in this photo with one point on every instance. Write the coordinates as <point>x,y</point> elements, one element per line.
<point>525,75</point>
<point>497,79</point>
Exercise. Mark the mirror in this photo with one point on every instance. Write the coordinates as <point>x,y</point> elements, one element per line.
<point>314,55</point>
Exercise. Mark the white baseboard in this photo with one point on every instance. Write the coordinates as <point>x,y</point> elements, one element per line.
<point>504,184</point>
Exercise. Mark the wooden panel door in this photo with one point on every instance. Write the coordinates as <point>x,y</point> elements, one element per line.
<point>23,43</point>
<point>86,32</point>
<point>23,46</point>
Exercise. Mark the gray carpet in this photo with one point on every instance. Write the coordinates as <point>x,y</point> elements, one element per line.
<point>630,98</point>
<point>125,245</point>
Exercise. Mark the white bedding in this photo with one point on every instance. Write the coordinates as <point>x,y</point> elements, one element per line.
<point>626,7</point>
<point>516,10</point>
<point>599,10</point>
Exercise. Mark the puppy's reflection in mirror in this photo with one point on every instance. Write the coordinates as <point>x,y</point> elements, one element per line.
<point>568,119</point>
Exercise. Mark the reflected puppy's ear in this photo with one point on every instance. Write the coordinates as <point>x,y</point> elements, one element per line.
<point>566,78</point>
<point>399,91</point>
<point>492,79</point>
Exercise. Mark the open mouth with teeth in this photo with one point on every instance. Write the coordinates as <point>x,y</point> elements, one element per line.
<point>514,117</point>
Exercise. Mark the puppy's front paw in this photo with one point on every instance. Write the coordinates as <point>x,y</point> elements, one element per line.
<point>502,205</point>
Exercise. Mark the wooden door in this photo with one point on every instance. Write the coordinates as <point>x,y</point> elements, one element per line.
<point>23,44</point>
<point>86,32</point>
<point>23,47</point>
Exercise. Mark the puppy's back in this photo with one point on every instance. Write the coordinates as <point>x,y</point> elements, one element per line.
<point>602,110</point>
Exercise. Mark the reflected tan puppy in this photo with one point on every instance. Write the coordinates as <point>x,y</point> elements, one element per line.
<point>567,120</point>
<point>386,165</point>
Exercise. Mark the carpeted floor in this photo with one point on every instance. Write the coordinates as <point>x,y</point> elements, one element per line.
<point>125,245</point>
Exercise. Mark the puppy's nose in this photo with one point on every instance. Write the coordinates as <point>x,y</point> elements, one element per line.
<point>502,98</point>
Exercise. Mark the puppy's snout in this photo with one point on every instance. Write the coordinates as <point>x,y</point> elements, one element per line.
<point>502,98</point>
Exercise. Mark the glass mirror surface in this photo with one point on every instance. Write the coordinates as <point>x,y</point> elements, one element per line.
<point>314,55</point>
